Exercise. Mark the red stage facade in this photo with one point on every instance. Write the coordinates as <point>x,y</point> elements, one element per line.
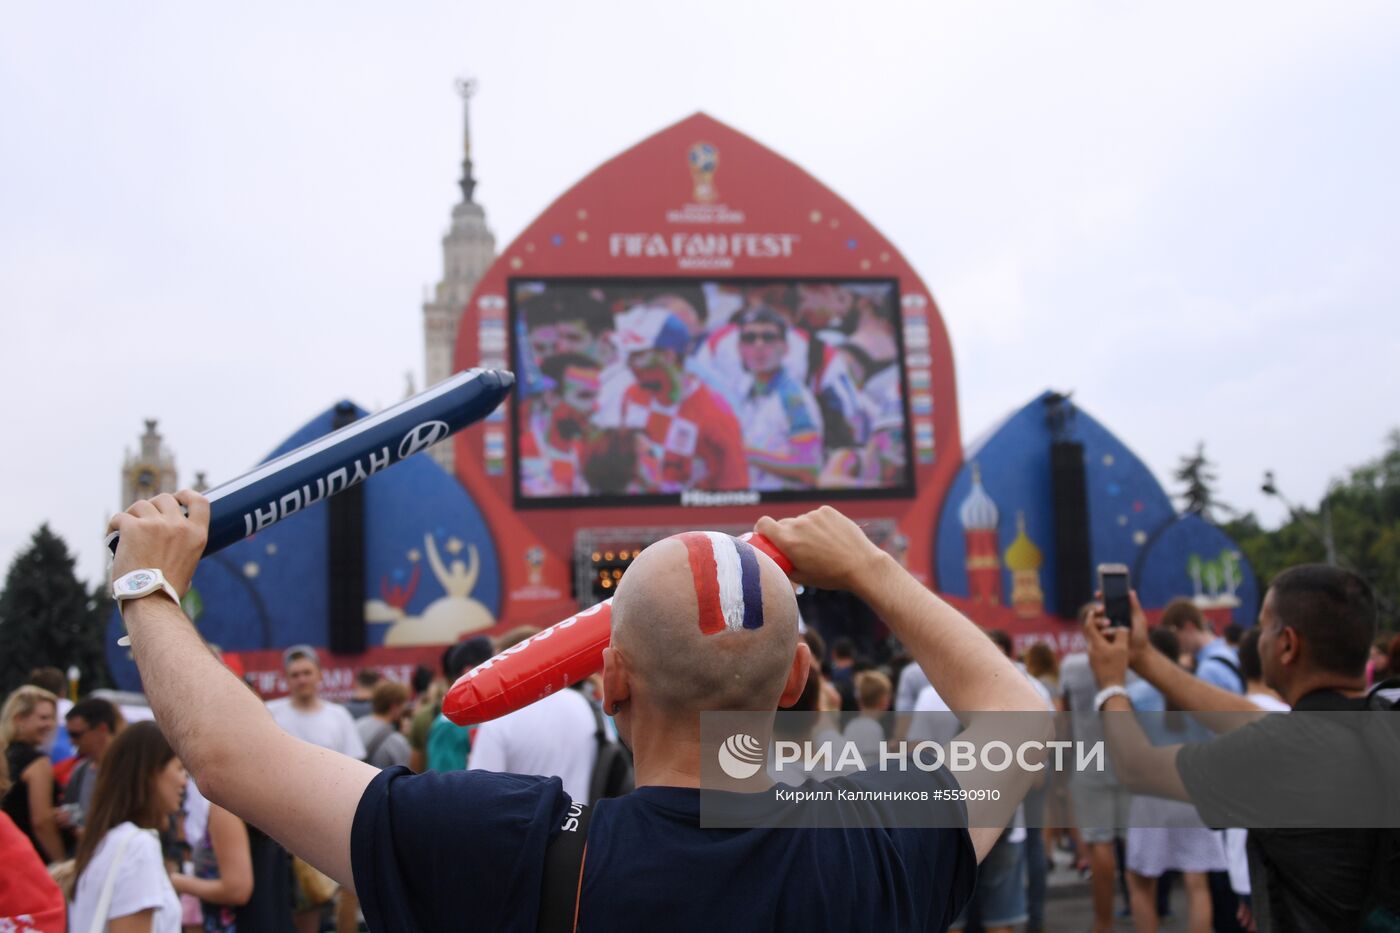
<point>698,207</point>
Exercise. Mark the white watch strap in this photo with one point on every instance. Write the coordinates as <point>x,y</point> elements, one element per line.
<point>125,640</point>
<point>1108,693</point>
<point>165,588</point>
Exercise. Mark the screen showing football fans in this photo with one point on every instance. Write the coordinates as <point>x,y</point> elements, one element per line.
<point>691,391</point>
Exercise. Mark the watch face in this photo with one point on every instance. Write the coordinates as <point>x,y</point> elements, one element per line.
<point>138,580</point>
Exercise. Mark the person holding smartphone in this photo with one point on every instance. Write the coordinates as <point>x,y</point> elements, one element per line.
<point>1285,777</point>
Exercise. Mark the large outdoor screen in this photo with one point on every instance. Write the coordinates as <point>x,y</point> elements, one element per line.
<point>707,391</point>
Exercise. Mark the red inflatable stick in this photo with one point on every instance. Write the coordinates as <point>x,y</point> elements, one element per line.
<point>562,654</point>
<point>769,548</point>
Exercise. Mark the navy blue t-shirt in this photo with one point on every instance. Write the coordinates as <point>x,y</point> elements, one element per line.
<point>465,851</point>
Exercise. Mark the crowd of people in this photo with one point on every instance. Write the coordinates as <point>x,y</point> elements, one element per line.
<point>103,824</point>
<point>96,802</point>
<point>713,386</point>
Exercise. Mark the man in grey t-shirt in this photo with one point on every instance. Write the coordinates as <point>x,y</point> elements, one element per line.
<point>912,681</point>
<point>1100,801</point>
<point>385,744</point>
<point>92,723</point>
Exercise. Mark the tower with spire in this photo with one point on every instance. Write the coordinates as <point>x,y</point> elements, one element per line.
<point>979,518</point>
<point>468,248</point>
<point>1023,559</point>
<point>150,471</point>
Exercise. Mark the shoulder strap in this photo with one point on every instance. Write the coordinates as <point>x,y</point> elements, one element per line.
<point>563,872</point>
<point>1234,669</point>
<point>109,884</point>
<point>1385,695</point>
<point>386,730</point>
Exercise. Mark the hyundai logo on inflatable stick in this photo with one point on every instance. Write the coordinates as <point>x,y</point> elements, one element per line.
<point>562,654</point>
<point>348,456</point>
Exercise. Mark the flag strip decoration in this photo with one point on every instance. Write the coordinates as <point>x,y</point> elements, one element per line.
<point>727,589</point>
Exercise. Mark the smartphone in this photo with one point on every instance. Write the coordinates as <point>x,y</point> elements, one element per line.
<point>1113,585</point>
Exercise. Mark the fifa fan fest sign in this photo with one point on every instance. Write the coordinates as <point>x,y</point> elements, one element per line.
<point>702,333</point>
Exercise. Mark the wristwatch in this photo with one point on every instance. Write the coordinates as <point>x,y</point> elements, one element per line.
<point>139,583</point>
<point>1108,693</point>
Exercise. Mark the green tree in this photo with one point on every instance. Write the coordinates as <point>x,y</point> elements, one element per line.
<point>49,617</point>
<point>1270,552</point>
<point>1365,514</point>
<point>1197,475</point>
<point>1363,509</point>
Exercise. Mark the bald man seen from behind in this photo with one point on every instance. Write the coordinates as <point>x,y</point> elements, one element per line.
<point>701,622</point>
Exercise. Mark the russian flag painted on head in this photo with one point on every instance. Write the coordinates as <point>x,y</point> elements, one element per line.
<point>726,576</point>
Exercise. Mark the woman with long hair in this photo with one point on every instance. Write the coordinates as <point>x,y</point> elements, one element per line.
<point>1168,835</point>
<point>29,717</point>
<point>242,877</point>
<point>122,880</point>
<point>1042,664</point>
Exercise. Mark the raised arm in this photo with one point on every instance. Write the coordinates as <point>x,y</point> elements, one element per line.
<point>1218,710</point>
<point>1142,767</point>
<point>221,731</point>
<point>828,550</point>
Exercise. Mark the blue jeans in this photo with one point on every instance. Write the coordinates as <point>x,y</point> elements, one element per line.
<point>1000,896</point>
<point>1035,858</point>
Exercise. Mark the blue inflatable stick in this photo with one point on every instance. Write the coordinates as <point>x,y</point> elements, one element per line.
<point>347,457</point>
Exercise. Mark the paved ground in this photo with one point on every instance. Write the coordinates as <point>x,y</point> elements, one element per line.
<point>1074,914</point>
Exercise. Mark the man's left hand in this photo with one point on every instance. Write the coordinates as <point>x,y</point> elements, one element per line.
<point>157,533</point>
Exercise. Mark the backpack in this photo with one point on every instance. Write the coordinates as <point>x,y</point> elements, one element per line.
<point>1381,735</point>
<point>612,768</point>
<point>385,730</point>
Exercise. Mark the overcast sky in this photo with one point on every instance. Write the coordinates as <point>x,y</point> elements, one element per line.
<point>226,218</point>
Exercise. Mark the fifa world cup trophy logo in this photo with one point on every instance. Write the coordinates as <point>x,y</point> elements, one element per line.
<point>704,159</point>
<point>534,559</point>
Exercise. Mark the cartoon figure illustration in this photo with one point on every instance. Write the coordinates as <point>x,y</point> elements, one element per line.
<point>393,607</point>
<point>446,619</point>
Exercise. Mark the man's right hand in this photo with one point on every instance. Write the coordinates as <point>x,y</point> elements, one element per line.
<point>826,548</point>
<point>1138,645</point>
<point>1108,651</point>
<point>156,533</point>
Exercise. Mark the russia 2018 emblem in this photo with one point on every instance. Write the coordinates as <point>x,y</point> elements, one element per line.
<point>534,559</point>
<point>704,160</point>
